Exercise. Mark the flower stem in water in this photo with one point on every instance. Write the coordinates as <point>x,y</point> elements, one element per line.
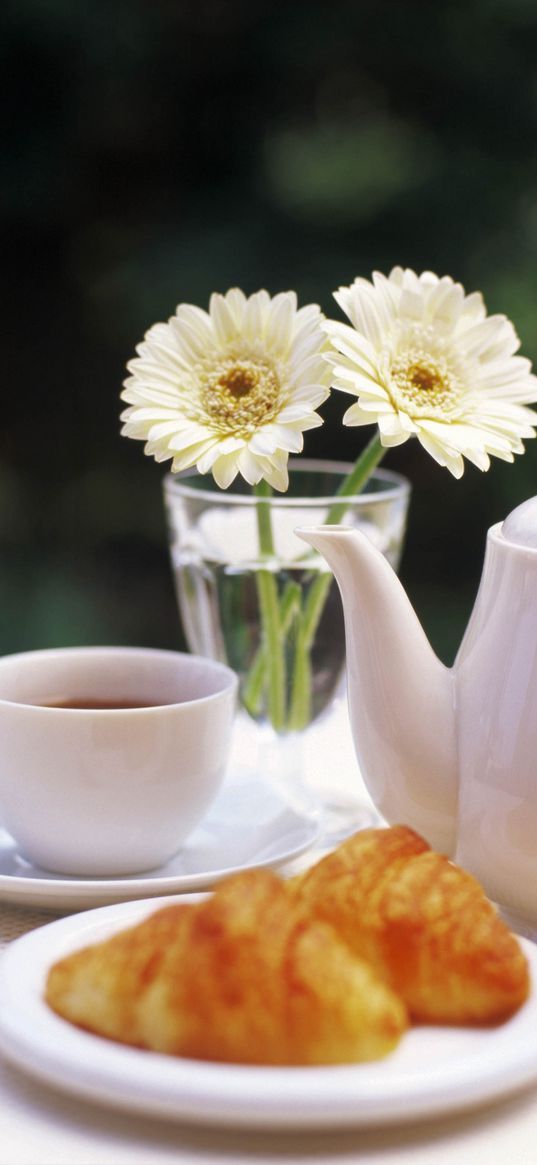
<point>254,687</point>
<point>267,591</point>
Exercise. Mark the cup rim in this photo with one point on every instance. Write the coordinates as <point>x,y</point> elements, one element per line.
<point>397,486</point>
<point>229,677</point>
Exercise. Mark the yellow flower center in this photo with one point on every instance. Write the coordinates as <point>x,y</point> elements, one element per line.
<point>240,395</point>
<point>425,385</point>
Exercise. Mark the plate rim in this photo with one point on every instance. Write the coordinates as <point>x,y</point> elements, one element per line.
<point>230,1095</point>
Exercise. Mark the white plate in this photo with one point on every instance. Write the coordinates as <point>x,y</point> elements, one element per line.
<point>435,1070</point>
<point>249,824</point>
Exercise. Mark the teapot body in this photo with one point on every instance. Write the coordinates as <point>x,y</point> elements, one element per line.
<point>495,692</point>
<point>450,752</point>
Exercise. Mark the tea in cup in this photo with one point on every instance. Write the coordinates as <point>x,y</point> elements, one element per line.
<point>110,756</point>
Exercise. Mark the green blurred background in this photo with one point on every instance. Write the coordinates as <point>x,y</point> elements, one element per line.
<point>156,150</point>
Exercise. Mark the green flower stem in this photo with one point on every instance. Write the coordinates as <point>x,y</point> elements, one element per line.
<point>314,605</point>
<point>268,667</point>
<point>301,694</point>
<point>357,478</point>
<point>267,591</point>
<point>353,484</point>
<point>252,694</point>
<point>301,690</point>
<point>300,709</point>
<point>263,492</point>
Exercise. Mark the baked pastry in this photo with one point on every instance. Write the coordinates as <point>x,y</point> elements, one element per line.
<point>422,923</point>
<point>241,976</point>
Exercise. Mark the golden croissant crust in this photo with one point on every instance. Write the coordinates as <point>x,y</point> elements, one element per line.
<point>242,976</point>
<point>324,969</point>
<point>423,923</point>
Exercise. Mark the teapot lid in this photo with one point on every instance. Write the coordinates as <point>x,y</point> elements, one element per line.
<point>520,527</point>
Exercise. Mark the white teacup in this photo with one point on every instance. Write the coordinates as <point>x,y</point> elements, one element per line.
<point>115,782</point>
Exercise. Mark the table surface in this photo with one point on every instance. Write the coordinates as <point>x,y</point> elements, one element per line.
<point>42,1126</point>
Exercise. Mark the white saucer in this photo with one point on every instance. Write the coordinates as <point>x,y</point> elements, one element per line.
<point>249,824</point>
<point>434,1071</point>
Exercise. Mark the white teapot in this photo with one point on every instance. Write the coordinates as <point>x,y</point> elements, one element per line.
<point>451,752</point>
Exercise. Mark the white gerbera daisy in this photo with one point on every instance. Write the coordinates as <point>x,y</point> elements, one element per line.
<point>424,359</point>
<point>230,390</point>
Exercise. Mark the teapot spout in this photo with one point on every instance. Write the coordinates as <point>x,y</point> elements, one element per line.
<point>400,695</point>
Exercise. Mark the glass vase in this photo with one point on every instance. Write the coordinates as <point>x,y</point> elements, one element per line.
<point>290,680</point>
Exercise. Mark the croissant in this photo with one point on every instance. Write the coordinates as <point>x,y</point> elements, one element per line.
<point>422,923</point>
<point>242,976</point>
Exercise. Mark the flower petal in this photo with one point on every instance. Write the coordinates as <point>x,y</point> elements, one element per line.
<point>275,471</point>
<point>224,324</point>
<point>424,358</point>
<point>280,322</point>
<point>225,469</point>
<point>446,459</point>
<point>391,430</point>
<point>176,391</point>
